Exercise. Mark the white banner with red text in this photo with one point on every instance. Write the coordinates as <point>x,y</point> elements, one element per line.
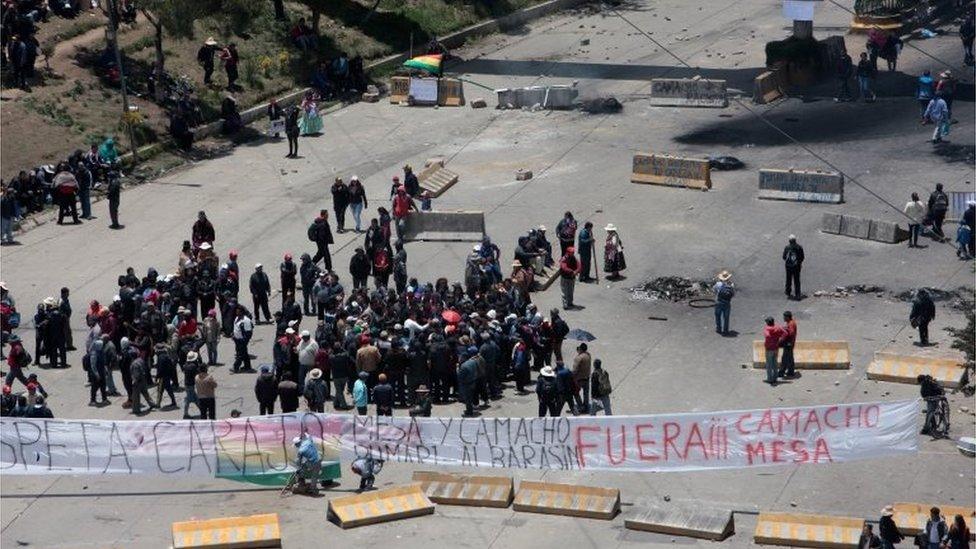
<point>251,447</point>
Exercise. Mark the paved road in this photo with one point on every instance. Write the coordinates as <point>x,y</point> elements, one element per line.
<point>261,203</point>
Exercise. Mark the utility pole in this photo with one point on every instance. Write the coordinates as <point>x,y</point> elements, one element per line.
<point>112,35</point>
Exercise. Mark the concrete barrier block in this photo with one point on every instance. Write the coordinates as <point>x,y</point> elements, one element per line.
<point>689,92</point>
<point>855,227</point>
<point>801,186</point>
<point>380,506</point>
<point>901,368</point>
<point>886,231</point>
<point>567,499</point>
<point>698,522</point>
<point>671,171</point>
<point>911,517</point>
<point>810,355</point>
<point>228,532</point>
<point>800,530</point>
<point>472,490</point>
<point>830,223</point>
<point>523,175</point>
<point>459,226</point>
<point>478,103</point>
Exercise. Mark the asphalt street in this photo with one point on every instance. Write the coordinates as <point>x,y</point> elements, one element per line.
<point>261,203</point>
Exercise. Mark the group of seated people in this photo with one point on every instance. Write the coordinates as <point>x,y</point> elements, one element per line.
<point>339,76</point>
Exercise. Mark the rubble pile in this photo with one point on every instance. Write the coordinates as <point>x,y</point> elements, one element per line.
<point>671,288</point>
<point>853,289</point>
<point>601,105</point>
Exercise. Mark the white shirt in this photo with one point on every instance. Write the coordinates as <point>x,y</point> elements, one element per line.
<point>241,326</point>
<point>413,327</point>
<point>306,352</point>
<point>915,210</point>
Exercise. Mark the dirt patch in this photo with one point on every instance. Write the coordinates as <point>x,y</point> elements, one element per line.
<point>671,288</point>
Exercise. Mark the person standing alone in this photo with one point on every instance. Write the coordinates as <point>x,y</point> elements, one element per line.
<point>320,232</point>
<point>915,211</point>
<point>938,206</point>
<point>724,292</point>
<point>568,269</point>
<point>291,132</point>
<point>793,260</point>
<point>260,286</point>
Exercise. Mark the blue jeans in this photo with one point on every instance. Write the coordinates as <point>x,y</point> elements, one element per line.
<point>7,229</point>
<point>864,84</point>
<point>188,397</point>
<point>601,403</point>
<point>722,312</point>
<point>771,357</point>
<point>357,212</point>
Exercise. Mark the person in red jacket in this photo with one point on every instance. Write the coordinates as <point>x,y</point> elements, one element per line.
<point>402,204</point>
<point>786,365</point>
<point>569,267</point>
<point>773,335</point>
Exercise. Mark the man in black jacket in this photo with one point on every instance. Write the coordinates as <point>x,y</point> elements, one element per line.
<point>342,367</point>
<point>321,233</point>
<point>938,206</point>
<point>359,267</point>
<point>923,312</point>
<point>410,182</point>
<point>383,397</point>
<point>260,286</point>
<point>793,259</point>
<point>266,391</point>
<point>932,392</point>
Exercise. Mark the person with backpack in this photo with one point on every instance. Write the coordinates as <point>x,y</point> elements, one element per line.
<point>315,391</point>
<point>320,233</point>
<point>938,206</point>
<point>547,393</point>
<point>566,231</point>
<point>600,389</point>
<point>724,292</point>
<point>793,260</point>
<point>17,359</point>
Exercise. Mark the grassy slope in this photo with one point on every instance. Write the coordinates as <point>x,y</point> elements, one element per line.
<point>63,113</point>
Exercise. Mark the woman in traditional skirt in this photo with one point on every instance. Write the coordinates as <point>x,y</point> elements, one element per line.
<point>613,253</point>
<point>311,121</point>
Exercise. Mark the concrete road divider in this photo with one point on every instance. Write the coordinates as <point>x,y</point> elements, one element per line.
<point>768,87</point>
<point>801,186</point>
<point>546,97</point>
<point>798,530</point>
<point>450,92</point>
<point>380,506</point>
<point>456,226</point>
<point>688,92</point>
<point>399,89</point>
<point>567,499</point>
<point>702,523</point>
<point>228,532</point>
<point>435,178</point>
<point>672,171</point>
<point>911,517</point>
<point>901,368</point>
<point>810,355</point>
<point>867,229</point>
<point>478,491</point>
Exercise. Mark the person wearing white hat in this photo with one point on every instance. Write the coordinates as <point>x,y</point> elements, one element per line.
<point>205,57</point>
<point>306,349</point>
<point>793,260</point>
<point>190,370</point>
<point>357,200</point>
<point>547,392</point>
<point>724,291</point>
<point>260,286</point>
<point>887,529</point>
<point>613,253</point>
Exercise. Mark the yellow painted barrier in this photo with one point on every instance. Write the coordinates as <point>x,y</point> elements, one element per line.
<point>478,491</point>
<point>228,532</point>
<point>702,523</point>
<point>911,517</point>
<point>567,499</point>
<point>906,369</point>
<point>380,506</point>
<point>671,171</point>
<point>399,89</point>
<point>798,530</point>
<point>810,355</point>
<point>450,92</point>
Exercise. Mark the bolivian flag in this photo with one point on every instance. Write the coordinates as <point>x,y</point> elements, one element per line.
<point>429,63</point>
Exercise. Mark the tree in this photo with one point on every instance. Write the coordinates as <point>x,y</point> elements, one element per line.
<point>965,339</point>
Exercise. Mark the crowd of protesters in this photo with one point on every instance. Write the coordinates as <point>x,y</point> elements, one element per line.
<point>392,343</point>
